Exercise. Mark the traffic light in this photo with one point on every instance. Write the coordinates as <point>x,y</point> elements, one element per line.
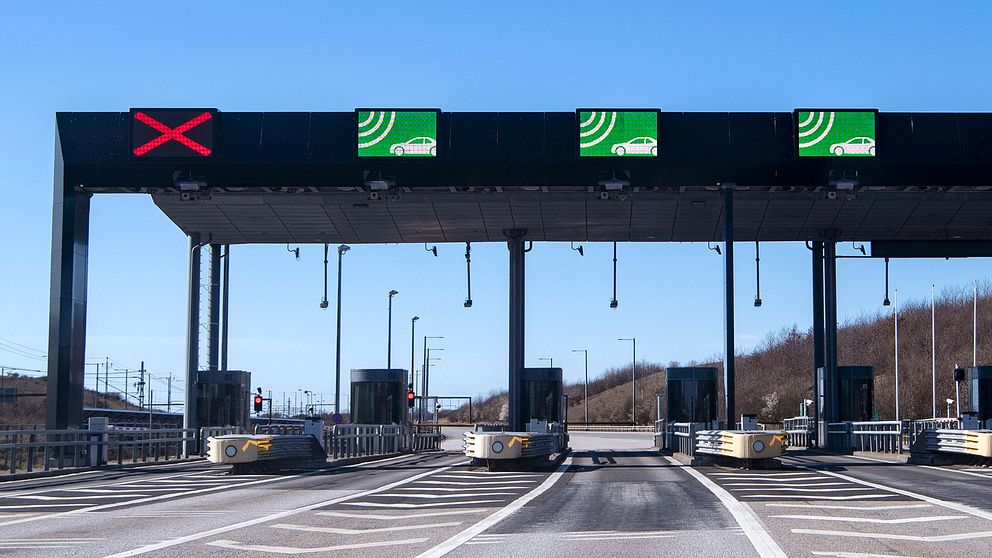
<point>258,403</point>
<point>410,396</point>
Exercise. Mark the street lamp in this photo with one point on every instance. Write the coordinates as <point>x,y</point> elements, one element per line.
<point>949,403</point>
<point>389,332</point>
<point>423,373</point>
<point>551,361</point>
<point>633,380</point>
<point>585,397</point>
<point>337,356</point>
<point>413,344</point>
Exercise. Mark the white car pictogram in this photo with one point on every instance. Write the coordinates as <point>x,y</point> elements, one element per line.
<point>637,146</point>
<point>854,146</point>
<point>417,146</point>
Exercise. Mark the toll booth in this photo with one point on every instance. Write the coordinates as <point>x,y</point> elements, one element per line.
<point>691,394</point>
<point>222,397</point>
<point>378,396</point>
<point>541,394</point>
<point>980,393</point>
<point>854,394</point>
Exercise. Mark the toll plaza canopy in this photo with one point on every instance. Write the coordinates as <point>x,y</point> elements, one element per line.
<point>911,184</point>
<point>303,177</point>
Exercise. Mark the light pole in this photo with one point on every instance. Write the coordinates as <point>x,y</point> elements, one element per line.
<point>413,344</point>
<point>337,353</point>
<point>895,334</point>
<point>585,396</point>
<point>309,395</point>
<point>389,332</point>
<point>633,380</point>
<point>551,361</point>
<point>423,374</point>
<point>949,403</point>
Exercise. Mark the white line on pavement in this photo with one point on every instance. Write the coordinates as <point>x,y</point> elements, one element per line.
<point>856,508</point>
<point>756,533</point>
<point>813,490</point>
<point>443,489</point>
<point>504,512</point>
<point>791,485</point>
<point>963,508</point>
<point>476,483</point>
<point>904,520</point>
<point>894,537</point>
<point>393,517</point>
<point>234,545</point>
<point>856,555</point>
<point>415,506</point>
<point>969,472</point>
<point>272,517</point>
<point>343,531</point>
<point>810,497</point>
<point>442,496</point>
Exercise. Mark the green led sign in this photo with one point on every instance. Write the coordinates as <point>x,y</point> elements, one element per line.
<point>397,133</point>
<point>606,133</point>
<point>843,133</point>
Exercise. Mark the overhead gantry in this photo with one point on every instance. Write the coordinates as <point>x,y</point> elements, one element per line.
<point>238,178</point>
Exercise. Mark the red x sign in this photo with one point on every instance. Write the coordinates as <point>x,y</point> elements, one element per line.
<point>192,132</point>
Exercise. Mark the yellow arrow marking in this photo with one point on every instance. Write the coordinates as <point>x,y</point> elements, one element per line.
<point>517,439</point>
<point>778,438</point>
<point>260,444</point>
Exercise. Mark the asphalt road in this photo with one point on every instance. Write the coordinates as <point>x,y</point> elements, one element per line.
<point>612,497</point>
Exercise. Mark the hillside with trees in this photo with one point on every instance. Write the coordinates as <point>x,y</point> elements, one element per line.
<point>775,377</point>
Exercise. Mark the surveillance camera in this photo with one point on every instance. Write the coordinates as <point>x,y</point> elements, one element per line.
<point>374,196</point>
<point>468,303</point>
<point>614,303</point>
<point>324,304</point>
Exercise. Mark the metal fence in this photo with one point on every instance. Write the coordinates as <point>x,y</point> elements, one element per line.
<point>878,436</point>
<point>25,451</point>
<point>359,440</point>
<point>682,437</point>
<point>426,437</point>
<point>798,431</point>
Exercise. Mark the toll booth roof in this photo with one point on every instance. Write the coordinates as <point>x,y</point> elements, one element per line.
<point>296,177</point>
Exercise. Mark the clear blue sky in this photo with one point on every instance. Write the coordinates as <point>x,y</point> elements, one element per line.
<point>459,56</point>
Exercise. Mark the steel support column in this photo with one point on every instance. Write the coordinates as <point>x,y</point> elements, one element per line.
<point>67,312</point>
<point>817,335</point>
<point>516,337</point>
<point>192,336</point>
<point>830,394</point>
<point>213,319</point>
<point>225,305</point>
<point>729,392</point>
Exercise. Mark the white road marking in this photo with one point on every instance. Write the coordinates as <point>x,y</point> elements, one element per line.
<point>442,489</point>
<point>804,484</point>
<point>764,480</point>
<point>924,519</point>
<point>414,506</point>
<point>763,475</point>
<point>963,508</point>
<point>394,517</point>
<point>100,497</point>
<point>856,508</point>
<point>234,545</point>
<point>441,496</point>
<point>476,477</point>
<point>810,497</point>
<point>813,490</point>
<point>856,555</point>
<point>504,512</point>
<point>271,517</point>
<point>618,538</point>
<point>343,531</point>
<point>477,483</point>
<point>969,472</point>
<point>894,537</point>
<point>749,522</point>
<point>32,506</point>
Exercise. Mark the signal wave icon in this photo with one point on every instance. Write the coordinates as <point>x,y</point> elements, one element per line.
<point>371,130</point>
<point>591,130</point>
<point>813,129</point>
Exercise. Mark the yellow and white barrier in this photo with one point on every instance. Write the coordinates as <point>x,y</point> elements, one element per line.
<point>968,442</point>
<point>739,444</point>
<point>238,448</point>
<point>511,445</point>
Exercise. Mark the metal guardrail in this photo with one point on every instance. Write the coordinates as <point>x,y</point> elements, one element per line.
<point>877,436</point>
<point>798,431</point>
<point>280,429</point>
<point>26,451</point>
<point>360,440</point>
<point>682,437</point>
<point>966,442</point>
<point>425,437</point>
<point>606,428</point>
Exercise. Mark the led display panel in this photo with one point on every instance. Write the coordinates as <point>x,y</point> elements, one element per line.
<point>172,133</point>
<point>839,133</point>
<point>397,133</point>
<point>618,133</point>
